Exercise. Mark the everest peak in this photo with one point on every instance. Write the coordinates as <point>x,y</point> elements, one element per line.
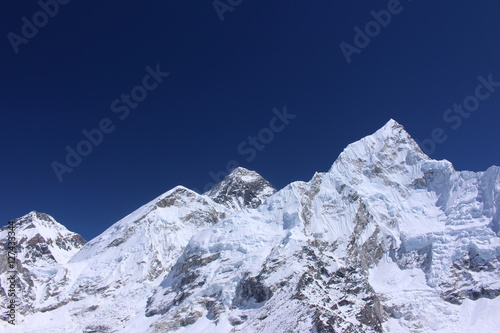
<point>241,189</point>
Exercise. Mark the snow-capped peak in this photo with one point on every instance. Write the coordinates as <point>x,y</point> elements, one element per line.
<point>245,174</point>
<point>387,142</point>
<point>41,240</point>
<point>390,150</point>
<point>241,189</point>
<point>390,127</point>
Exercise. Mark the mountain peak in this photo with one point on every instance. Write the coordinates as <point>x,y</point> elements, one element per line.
<point>43,240</point>
<point>392,124</point>
<point>38,220</point>
<point>242,188</point>
<point>391,129</point>
<point>388,147</point>
<point>244,174</point>
<point>34,215</point>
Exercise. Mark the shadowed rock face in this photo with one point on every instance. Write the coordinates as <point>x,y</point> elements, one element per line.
<point>251,291</point>
<point>242,189</point>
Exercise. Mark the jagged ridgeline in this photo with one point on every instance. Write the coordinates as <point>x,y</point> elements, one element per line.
<point>387,240</point>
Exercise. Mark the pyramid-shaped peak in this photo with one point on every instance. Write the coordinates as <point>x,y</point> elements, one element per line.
<point>177,196</point>
<point>37,215</point>
<point>389,146</point>
<point>242,188</point>
<point>42,240</point>
<point>245,174</point>
<point>392,123</point>
<point>40,219</point>
<point>391,129</point>
<point>179,190</point>
<point>390,136</point>
<point>241,169</point>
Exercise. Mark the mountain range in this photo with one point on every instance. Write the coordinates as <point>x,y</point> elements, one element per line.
<point>387,240</point>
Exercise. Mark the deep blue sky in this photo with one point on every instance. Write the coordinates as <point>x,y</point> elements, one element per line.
<point>225,79</point>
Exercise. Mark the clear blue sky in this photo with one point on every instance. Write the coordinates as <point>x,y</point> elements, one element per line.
<point>225,78</point>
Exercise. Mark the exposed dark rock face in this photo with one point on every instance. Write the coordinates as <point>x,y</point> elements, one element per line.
<point>418,258</point>
<point>177,198</point>
<point>464,285</point>
<point>183,278</point>
<point>251,290</point>
<point>242,189</point>
<point>368,253</point>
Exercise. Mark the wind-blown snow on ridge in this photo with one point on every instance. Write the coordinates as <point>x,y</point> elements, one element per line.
<point>388,240</point>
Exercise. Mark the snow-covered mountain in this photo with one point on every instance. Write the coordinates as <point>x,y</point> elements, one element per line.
<point>42,241</point>
<point>43,246</point>
<point>388,240</point>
